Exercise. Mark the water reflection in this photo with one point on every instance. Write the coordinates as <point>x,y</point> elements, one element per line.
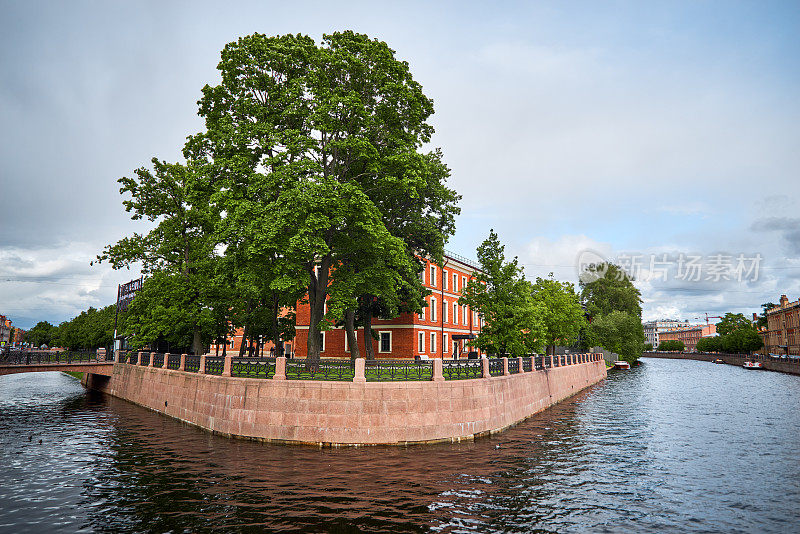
<point>668,446</point>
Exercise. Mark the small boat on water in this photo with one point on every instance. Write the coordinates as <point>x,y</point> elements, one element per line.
<point>621,365</point>
<point>753,365</point>
<point>718,360</point>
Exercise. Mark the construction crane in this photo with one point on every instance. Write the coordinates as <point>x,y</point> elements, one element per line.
<point>709,317</point>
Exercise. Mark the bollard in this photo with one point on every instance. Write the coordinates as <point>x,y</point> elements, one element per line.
<point>359,375</point>
<point>150,363</point>
<point>521,367</point>
<point>438,370</point>
<point>166,361</point>
<point>280,368</point>
<point>202,369</point>
<point>485,367</point>
<point>533,362</point>
<point>227,365</point>
<point>505,366</point>
<point>182,366</point>
<point>138,358</point>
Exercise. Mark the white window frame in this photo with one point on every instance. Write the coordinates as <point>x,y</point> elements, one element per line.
<point>422,314</point>
<point>463,283</point>
<point>322,344</point>
<point>464,315</point>
<point>455,282</point>
<point>433,276</point>
<point>433,309</point>
<point>445,348</point>
<point>455,312</point>
<point>444,311</point>
<point>380,341</point>
<point>421,342</point>
<point>433,343</point>
<point>444,279</point>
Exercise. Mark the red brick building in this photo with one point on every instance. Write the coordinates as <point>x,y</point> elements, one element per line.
<point>690,336</point>
<point>429,334</point>
<point>782,336</point>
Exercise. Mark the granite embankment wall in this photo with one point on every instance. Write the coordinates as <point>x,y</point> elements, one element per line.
<point>781,365</point>
<point>348,413</point>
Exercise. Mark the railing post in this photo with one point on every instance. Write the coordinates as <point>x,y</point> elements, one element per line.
<point>202,369</point>
<point>533,362</point>
<point>150,363</point>
<point>521,367</point>
<point>182,366</point>
<point>505,365</point>
<point>485,367</point>
<point>359,371</point>
<point>438,371</point>
<point>116,356</point>
<point>226,366</point>
<point>165,365</point>
<point>280,368</point>
<point>138,358</point>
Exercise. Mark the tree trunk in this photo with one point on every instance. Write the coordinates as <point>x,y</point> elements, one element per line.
<point>197,341</point>
<point>225,346</point>
<point>368,348</point>
<point>317,291</point>
<point>243,344</point>
<point>350,332</point>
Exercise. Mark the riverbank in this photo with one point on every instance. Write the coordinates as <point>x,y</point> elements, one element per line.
<point>333,413</point>
<point>770,364</point>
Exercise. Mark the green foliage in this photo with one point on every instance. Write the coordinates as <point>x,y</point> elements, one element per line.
<point>648,347</point>
<point>500,293</point>
<point>41,334</point>
<point>732,322</point>
<point>617,331</point>
<point>562,313</point>
<point>614,307</point>
<point>90,330</point>
<point>739,337</point>
<point>606,288</point>
<point>672,345</point>
<point>762,319</point>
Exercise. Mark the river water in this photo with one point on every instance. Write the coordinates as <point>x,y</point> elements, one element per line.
<point>672,446</point>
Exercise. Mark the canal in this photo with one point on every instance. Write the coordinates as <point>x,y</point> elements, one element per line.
<point>672,446</point>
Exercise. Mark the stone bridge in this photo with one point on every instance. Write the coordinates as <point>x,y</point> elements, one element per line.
<point>37,362</point>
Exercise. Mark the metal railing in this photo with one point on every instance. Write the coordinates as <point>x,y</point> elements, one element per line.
<point>301,369</point>
<point>192,363</point>
<point>462,369</point>
<point>253,367</point>
<point>174,362</point>
<point>527,364</point>
<point>538,362</point>
<point>214,365</point>
<point>144,359</point>
<point>158,359</point>
<point>67,356</point>
<point>390,370</point>
<point>513,366</point>
<point>122,357</point>
<point>495,367</point>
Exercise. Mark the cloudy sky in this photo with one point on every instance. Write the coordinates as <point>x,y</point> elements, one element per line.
<point>629,130</point>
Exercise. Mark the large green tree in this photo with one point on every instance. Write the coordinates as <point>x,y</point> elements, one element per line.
<point>562,313</point>
<point>731,322</point>
<point>615,312</point>
<point>41,334</point>
<point>177,254</point>
<point>292,124</point>
<point>501,295</point>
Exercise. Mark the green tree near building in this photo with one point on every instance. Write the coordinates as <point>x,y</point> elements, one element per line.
<point>672,345</point>
<point>736,335</point>
<point>562,313</point>
<point>615,313</point>
<point>500,294</point>
<point>41,334</point>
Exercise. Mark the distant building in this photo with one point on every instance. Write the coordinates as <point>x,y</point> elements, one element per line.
<point>781,336</point>
<point>5,331</point>
<point>653,329</point>
<point>690,335</point>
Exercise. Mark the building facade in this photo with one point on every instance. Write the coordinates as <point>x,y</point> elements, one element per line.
<point>428,334</point>
<point>5,331</point>
<point>653,329</point>
<point>782,335</point>
<point>690,335</point>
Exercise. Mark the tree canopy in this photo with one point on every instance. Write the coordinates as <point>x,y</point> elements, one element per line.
<point>562,313</point>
